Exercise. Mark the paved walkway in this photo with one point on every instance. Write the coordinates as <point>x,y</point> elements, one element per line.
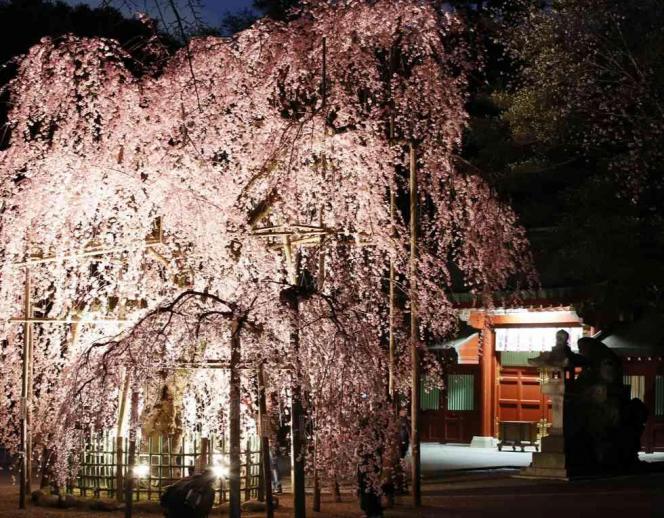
<point>440,458</point>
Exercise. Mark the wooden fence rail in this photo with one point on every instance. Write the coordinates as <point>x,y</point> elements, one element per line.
<point>104,464</point>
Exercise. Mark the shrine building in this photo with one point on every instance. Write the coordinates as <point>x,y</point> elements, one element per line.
<point>490,386</point>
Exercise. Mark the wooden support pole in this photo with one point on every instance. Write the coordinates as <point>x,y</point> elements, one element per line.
<point>297,425</point>
<point>131,461</point>
<point>316,504</point>
<point>234,414</point>
<point>321,284</point>
<point>392,350</point>
<point>204,457</point>
<point>28,407</point>
<point>297,413</point>
<point>265,444</point>
<point>393,210</point>
<point>25,395</point>
<point>414,335</point>
<point>247,471</point>
<point>119,440</point>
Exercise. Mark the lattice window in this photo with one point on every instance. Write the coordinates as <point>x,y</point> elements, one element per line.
<point>429,399</point>
<point>637,386</point>
<point>460,392</point>
<point>659,396</point>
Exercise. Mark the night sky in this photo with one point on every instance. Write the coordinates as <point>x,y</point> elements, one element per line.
<point>213,10</point>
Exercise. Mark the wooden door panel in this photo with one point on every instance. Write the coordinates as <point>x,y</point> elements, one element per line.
<point>520,397</point>
<point>445,425</point>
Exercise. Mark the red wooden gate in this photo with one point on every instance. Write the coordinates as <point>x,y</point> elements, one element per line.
<point>519,397</point>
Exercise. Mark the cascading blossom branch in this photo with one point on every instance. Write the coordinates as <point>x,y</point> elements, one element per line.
<point>232,137</point>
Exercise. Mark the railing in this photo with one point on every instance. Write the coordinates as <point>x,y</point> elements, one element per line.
<point>160,462</point>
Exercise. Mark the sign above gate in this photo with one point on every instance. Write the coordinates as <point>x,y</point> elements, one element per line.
<point>533,339</point>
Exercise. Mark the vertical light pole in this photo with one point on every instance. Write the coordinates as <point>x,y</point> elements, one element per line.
<point>414,336</point>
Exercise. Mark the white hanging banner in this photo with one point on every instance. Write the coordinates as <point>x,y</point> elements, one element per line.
<point>533,339</point>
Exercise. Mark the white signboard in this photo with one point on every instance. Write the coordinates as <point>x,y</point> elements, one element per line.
<point>533,339</point>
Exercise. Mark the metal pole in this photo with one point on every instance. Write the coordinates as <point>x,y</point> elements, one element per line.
<point>265,444</point>
<point>414,353</point>
<point>25,393</point>
<point>234,418</point>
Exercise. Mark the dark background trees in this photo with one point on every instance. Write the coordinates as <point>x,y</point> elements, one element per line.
<point>566,122</point>
<point>24,22</point>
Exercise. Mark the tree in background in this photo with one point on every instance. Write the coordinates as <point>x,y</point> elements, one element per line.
<point>565,123</point>
<point>588,102</point>
<point>146,47</point>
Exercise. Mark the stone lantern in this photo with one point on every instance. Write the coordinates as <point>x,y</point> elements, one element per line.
<point>550,461</point>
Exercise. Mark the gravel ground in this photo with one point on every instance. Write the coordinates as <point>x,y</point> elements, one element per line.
<point>475,495</point>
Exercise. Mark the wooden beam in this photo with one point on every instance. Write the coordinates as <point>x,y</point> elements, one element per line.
<point>561,318</point>
<point>71,321</point>
<point>88,252</point>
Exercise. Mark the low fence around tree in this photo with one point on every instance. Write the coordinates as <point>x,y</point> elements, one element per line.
<point>160,462</point>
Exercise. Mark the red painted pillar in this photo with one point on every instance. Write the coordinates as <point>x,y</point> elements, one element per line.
<point>487,369</point>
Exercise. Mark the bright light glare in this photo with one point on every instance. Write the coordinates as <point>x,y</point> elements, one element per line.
<point>220,471</point>
<point>141,471</point>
